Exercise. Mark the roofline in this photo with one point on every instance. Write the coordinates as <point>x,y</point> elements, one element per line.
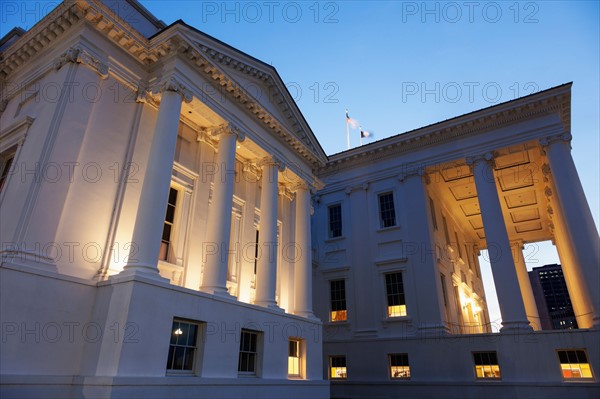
<point>451,121</point>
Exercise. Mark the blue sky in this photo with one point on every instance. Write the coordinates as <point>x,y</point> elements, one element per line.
<point>400,65</point>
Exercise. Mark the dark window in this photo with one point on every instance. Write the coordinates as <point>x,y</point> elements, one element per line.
<point>433,215</point>
<point>248,352</point>
<point>338,300</point>
<point>182,350</point>
<point>166,244</point>
<point>6,161</point>
<point>395,295</point>
<point>387,212</point>
<point>256,252</point>
<point>335,221</point>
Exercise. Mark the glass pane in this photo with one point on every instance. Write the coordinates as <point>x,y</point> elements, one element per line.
<point>179,357</point>
<point>189,359</point>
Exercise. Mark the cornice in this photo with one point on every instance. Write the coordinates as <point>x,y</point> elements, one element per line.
<point>556,100</point>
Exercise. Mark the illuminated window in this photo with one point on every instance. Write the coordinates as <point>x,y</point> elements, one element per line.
<point>486,365</point>
<point>337,367</point>
<point>399,366</point>
<point>6,161</point>
<point>294,358</point>
<point>167,235</point>
<point>574,364</point>
<point>387,212</point>
<point>248,352</point>
<point>335,221</point>
<point>182,350</point>
<point>395,295</point>
<point>338,300</point>
<point>446,233</point>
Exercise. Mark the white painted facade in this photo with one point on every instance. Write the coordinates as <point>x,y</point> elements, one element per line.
<point>107,124</point>
<point>110,121</point>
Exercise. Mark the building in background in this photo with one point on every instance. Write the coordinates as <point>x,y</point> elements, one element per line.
<point>552,298</point>
<point>163,229</point>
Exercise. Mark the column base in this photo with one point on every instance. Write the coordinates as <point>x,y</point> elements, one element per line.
<point>269,305</point>
<point>516,327</point>
<point>306,314</point>
<point>146,271</point>
<point>221,292</point>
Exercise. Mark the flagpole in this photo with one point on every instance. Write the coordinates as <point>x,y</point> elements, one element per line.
<point>347,131</point>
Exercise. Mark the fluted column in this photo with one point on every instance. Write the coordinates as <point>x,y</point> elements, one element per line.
<point>266,274</point>
<point>216,247</point>
<point>157,180</point>
<point>506,281</point>
<point>581,234</point>
<point>525,284</point>
<point>303,259</point>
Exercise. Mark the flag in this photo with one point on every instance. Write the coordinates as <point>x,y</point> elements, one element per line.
<point>365,133</point>
<point>352,122</point>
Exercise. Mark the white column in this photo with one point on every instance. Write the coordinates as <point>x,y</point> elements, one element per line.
<point>508,290</point>
<point>430,303</point>
<point>525,284</point>
<point>581,233</point>
<point>303,261</point>
<point>266,273</point>
<point>157,180</point>
<point>216,247</point>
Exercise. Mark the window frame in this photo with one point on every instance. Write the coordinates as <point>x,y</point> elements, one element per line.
<point>330,234</point>
<point>196,355</point>
<point>7,162</point>
<point>490,364</point>
<point>333,300</point>
<point>300,350</point>
<point>579,363</point>
<point>381,211</point>
<point>169,255</point>
<point>257,351</point>
<point>402,293</point>
<point>331,367</point>
<point>402,356</point>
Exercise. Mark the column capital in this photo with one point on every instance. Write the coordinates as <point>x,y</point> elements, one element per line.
<point>418,171</point>
<point>488,157</point>
<point>517,243</point>
<point>301,185</point>
<point>565,137</point>
<point>174,85</point>
<point>228,128</point>
<point>285,191</point>
<point>77,55</point>
<point>272,161</point>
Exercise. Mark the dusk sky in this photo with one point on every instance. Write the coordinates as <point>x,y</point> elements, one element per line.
<point>401,65</point>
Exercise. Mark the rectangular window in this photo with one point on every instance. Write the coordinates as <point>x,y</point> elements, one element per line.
<point>395,295</point>
<point>182,349</point>
<point>294,357</point>
<point>444,290</point>
<point>247,363</point>
<point>387,212</point>
<point>6,161</point>
<point>574,365</point>
<point>337,367</point>
<point>166,243</point>
<point>335,221</point>
<point>399,367</point>
<point>256,252</point>
<point>433,216</point>
<point>458,249</point>
<point>486,365</point>
<point>338,300</point>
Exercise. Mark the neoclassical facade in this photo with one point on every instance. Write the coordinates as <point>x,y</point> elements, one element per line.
<point>399,227</point>
<point>168,232</point>
<point>155,215</point>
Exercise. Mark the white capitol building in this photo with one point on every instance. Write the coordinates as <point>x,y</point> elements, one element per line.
<point>163,240</point>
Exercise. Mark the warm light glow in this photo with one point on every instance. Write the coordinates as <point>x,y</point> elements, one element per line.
<point>338,315</point>
<point>488,371</point>
<point>396,310</point>
<point>293,365</point>
<point>178,332</point>
<point>338,372</point>
<point>576,370</point>
<point>400,371</point>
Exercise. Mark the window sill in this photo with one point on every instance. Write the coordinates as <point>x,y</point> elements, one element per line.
<point>334,239</point>
<point>244,375</point>
<point>386,229</point>
<point>397,319</point>
<point>337,323</point>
